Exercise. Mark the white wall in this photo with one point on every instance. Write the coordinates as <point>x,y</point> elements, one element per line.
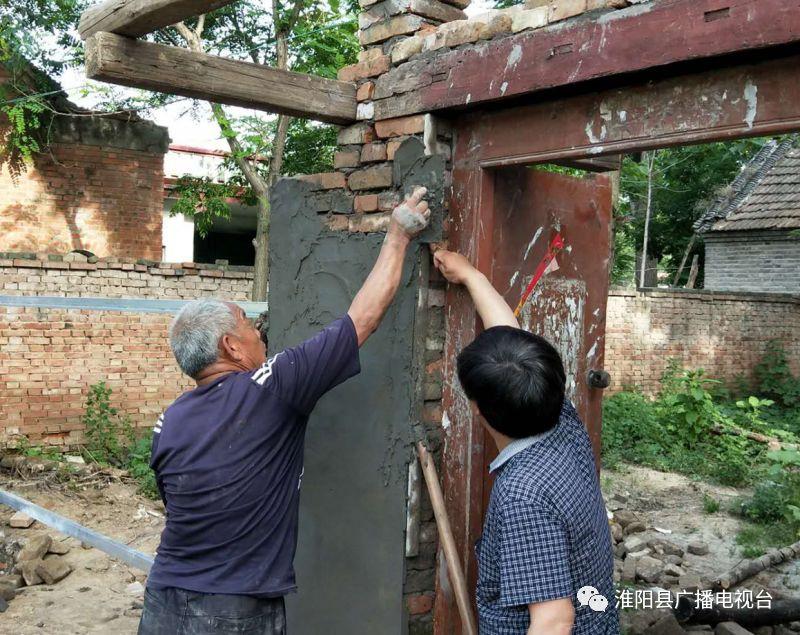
<point>177,236</point>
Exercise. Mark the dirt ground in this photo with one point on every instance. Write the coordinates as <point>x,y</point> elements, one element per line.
<point>95,598</point>
<point>674,503</point>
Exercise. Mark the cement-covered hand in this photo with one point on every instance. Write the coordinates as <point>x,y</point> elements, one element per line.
<point>412,215</point>
<point>453,266</point>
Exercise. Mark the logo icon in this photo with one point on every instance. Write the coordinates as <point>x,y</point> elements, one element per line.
<point>590,596</point>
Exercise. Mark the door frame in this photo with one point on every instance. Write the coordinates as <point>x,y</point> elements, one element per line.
<point>717,104</point>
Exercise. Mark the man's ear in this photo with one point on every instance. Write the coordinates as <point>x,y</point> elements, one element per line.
<point>231,347</point>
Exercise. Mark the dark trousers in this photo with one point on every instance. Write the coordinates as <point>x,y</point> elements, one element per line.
<point>179,612</point>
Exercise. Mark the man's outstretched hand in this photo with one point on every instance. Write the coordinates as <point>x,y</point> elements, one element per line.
<point>412,215</point>
<point>491,306</point>
<point>453,266</point>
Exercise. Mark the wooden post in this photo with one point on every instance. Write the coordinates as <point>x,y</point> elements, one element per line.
<point>135,18</point>
<point>454,569</point>
<point>693,272</point>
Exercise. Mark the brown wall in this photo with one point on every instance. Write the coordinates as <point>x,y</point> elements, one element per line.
<point>50,356</point>
<point>97,185</point>
<point>72,276</point>
<point>725,334</point>
<point>108,201</point>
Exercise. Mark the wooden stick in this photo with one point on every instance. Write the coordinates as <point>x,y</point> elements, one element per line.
<point>754,436</point>
<point>448,541</point>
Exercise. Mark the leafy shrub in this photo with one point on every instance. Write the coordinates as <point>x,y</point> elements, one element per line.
<point>775,379</point>
<point>677,431</point>
<point>710,504</point>
<point>139,467</point>
<point>111,439</point>
<point>108,434</point>
<point>778,496</point>
<point>687,408</point>
<point>751,408</point>
<point>631,431</point>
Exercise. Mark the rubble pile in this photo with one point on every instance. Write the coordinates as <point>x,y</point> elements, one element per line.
<point>653,569</point>
<point>37,559</point>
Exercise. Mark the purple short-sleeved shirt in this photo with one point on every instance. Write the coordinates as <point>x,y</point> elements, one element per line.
<point>228,458</point>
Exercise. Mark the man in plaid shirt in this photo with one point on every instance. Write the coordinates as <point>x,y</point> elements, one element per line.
<point>545,559</point>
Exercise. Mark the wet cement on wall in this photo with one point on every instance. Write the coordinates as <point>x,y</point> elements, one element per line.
<point>350,558</point>
<point>413,168</point>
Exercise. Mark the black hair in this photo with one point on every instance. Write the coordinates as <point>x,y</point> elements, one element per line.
<point>516,378</point>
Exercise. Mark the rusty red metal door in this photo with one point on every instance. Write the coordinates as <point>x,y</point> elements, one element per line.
<point>568,305</point>
<point>504,218</point>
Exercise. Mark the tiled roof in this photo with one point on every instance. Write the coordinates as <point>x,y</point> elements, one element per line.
<point>765,196</point>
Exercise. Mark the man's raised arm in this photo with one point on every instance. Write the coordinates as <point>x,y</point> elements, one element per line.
<point>491,306</point>
<point>378,291</point>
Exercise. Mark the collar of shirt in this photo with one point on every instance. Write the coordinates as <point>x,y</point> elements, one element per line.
<point>514,448</point>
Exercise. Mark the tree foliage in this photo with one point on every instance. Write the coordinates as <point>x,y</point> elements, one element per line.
<point>685,182</point>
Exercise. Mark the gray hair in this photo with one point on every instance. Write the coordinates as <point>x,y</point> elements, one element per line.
<point>195,333</point>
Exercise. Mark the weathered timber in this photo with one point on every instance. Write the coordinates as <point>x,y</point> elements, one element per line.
<point>598,164</point>
<point>749,568</point>
<point>139,17</point>
<point>583,49</point>
<point>740,101</point>
<point>120,60</point>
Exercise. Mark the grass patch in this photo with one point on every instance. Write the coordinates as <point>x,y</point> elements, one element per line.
<point>679,431</point>
<point>710,504</point>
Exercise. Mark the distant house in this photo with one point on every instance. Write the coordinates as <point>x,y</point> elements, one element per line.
<point>751,231</point>
<point>231,238</point>
<point>96,187</point>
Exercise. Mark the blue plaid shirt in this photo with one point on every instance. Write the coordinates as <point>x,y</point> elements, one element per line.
<point>546,533</point>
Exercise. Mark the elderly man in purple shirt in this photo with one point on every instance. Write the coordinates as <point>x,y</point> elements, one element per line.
<point>228,455</point>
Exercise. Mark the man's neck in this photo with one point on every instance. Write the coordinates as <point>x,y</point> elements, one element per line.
<point>217,370</point>
<point>500,440</point>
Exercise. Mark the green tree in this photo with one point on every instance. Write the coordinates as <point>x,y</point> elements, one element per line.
<point>684,182</point>
<point>32,31</point>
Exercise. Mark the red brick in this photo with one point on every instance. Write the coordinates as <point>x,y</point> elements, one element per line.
<point>563,9</point>
<point>368,68</point>
<point>346,159</point>
<point>325,180</point>
<point>419,604</point>
<point>366,203</point>
<point>400,126</point>
<point>372,178</point>
<point>373,152</point>
<point>365,91</point>
<point>369,223</point>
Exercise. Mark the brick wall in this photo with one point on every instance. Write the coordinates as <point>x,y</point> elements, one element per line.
<point>725,334</point>
<point>97,185</point>
<point>752,261</point>
<point>74,275</point>
<point>50,357</point>
<point>104,200</point>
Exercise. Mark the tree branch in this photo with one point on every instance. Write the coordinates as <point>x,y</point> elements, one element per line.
<point>255,180</point>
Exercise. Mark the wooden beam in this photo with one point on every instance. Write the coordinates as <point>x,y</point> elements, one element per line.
<point>568,53</point>
<point>598,164</point>
<point>135,18</point>
<point>167,69</point>
<point>751,100</point>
